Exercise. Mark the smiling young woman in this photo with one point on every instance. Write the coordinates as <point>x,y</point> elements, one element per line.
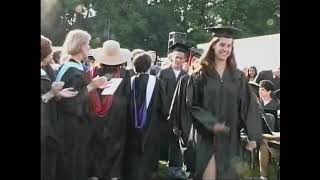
<point>221,103</point>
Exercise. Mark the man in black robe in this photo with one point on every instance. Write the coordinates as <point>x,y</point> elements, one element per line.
<point>148,106</point>
<point>180,117</point>
<point>170,77</point>
<point>181,121</point>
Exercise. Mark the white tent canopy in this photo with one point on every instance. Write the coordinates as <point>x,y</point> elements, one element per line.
<point>262,52</point>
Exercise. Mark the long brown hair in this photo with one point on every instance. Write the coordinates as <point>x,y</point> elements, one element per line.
<point>208,57</point>
<point>46,47</point>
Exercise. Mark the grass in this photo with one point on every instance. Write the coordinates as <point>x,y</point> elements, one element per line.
<point>272,172</point>
<point>162,172</point>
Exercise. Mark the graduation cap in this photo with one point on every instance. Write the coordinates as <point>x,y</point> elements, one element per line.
<point>179,47</point>
<point>225,31</point>
<point>196,52</point>
<point>90,57</point>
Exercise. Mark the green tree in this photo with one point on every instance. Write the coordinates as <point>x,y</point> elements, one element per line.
<point>146,23</point>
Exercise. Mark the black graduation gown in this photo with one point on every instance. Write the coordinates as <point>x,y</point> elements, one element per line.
<point>131,72</point>
<point>143,149</point>
<point>76,129</point>
<point>155,69</point>
<point>181,119</point>
<point>179,115</point>
<point>50,141</point>
<point>50,72</point>
<point>109,134</point>
<point>170,82</point>
<point>226,100</point>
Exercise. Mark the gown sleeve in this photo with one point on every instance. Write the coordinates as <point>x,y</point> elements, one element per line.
<point>204,120</point>
<point>175,107</point>
<point>278,105</point>
<point>163,101</point>
<point>179,115</point>
<point>49,124</point>
<point>164,82</point>
<point>74,78</point>
<point>249,112</point>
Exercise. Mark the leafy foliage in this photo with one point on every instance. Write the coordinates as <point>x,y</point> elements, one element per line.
<point>146,23</point>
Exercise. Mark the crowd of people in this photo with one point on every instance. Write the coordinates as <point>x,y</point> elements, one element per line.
<point>113,114</point>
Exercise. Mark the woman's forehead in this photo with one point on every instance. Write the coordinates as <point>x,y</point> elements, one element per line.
<point>225,40</point>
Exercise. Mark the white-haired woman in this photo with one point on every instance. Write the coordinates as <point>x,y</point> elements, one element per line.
<point>74,112</point>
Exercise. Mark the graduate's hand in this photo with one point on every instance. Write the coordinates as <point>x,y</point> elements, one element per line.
<point>67,93</point>
<point>100,82</point>
<point>56,87</point>
<point>251,145</point>
<point>219,128</point>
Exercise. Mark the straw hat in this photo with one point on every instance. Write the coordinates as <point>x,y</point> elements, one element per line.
<point>111,53</point>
